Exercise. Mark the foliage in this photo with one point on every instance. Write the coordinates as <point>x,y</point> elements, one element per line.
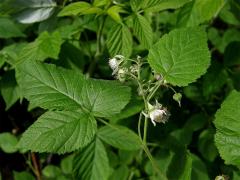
<point>102,89</point>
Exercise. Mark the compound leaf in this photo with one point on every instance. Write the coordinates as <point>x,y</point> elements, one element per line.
<point>227,122</point>
<point>59,132</point>
<point>181,56</point>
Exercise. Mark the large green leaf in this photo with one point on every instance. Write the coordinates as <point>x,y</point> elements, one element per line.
<point>227,122</point>
<point>181,56</point>
<point>199,11</point>
<point>91,163</point>
<point>119,40</point>
<point>159,5</point>
<point>119,137</point>
<point>59,132</point>
<point>57,88</point>
<point>143,30</point>
<point>8,29</point>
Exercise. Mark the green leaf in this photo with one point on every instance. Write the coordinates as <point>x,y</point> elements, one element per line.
<point>183,161</point>
<point>199,170</point>
<point>8,142</point>
<point>9,89</point>
<point>59,132</point>
<point>45,46</point>
<point>143,31</point>
<point>24,175</point>
<point>214,79</point>
<point>199,11</point>
<point>76,8</point>
<point>206,145</point>
<point>159,5</point>
<point>120,173</point>
<point>57,88</point>
<point>114,11</point>
<point>232,54</point>
<point>119,40</point>
<point>9,29</point>
<point>67,164</point>
<point>91,163</point>
<point>119,137</point>
<point>51,171</point>
<point>35,10</point>
<point>227,122</point>
<point>181,56</point>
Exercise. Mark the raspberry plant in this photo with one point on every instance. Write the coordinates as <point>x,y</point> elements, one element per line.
<point>102,89</point>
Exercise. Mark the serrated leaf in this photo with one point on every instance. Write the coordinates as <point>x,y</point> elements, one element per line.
<point>57,88</point>
<point>119,40</point>
<point>181,56</point>
<point>143,31</point>
<point>91,163</point>
<point>45,46</point>
<point>199,11</point>
<point>227,122</point>
<point>159,5</point>
<point>59,132</point>
<point>35,10</point>
<point>120,137</point>
<point>76,8</point>
<point>8,29</point>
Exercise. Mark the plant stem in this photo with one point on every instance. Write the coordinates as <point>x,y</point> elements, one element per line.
<point>145,131</point>
<point>139,125</point>
<point>36,166</point>
<point>99,48</point>
<point>156,169</point>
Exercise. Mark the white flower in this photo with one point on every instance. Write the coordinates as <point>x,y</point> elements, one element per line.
<point>158,114</point>
<point>113,63</point>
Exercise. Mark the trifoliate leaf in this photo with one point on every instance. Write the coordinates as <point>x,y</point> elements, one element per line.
<point>227,122</point>
<point>59,132</point>
<point>120,137</point>
<point>91,163</point>
<point>181,56</point>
